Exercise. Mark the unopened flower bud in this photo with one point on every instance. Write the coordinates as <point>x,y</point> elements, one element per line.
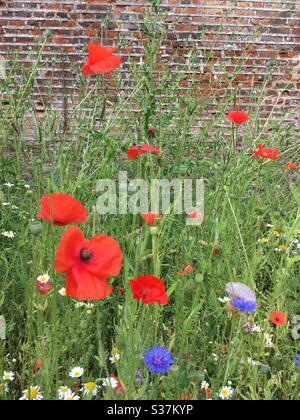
<point>36,227</point>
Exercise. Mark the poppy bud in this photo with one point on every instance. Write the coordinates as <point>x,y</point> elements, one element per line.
<point>29,193</point>
<point>154,230</point>
<point>183,169</point>
<point>36,227</point>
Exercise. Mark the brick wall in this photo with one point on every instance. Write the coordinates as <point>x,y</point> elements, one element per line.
<point>268,31</point>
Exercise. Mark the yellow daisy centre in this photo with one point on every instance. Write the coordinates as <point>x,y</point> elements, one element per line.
<point>225,392</point>
<point>90,386</point>
<point>77,374</point>
<point>63,390</point>
<point>32,393</point>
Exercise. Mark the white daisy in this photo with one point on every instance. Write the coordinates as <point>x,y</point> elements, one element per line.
<point>79,305</point>
<point>90,388</point>
<point>115,357</point>
<point>9,184</point>
<point>226,392</point>
<point>71,396</point>
<point>204,385</point>
<point>8,234</point>
<point>44,278</point>
<point>5,204</point>
<point>256,328</point>
<point>63,391</point>
<point>225,299</point>
<point>112,382</point>
<point>76,373</point>
<point>33,394</point>
<point>8,376</point>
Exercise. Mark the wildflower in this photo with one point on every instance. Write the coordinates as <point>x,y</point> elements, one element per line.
<point>62,209</point>
<point>33,393</point>
<point>152,131</point>
<point>79,305</point>
<point>76,373</point>
<point>297,360</point>
<point>119,389</point>
<point>280,248</point>
<point>9,184</point>
<point>240,291</point>
<point>3,388</point>
<point>238,117</point>
<point>158,359</point>
<point>27,186</point>
<point>149,289</point>
<point>263,240</point>
<point>5,204</point>
<point>38,364</point>
<point>89,306</point>
<point>244,305</point>
<point>71,396</point>
<point>110,382</point>
<point>8,376</point>
<point>63,291</point>
<point>256,328</point>
<point>278,318</point>
<point>187,270</point>
<point>136,151</point>
<point>100,60</point>
<point>151,218</point>
<point>184,397</point>
<point>63,391</point>
<point>226,392</point>
<point>268,340</point>
<point>194,215</point>
<point>266,153</point>
<point>224,300</point>
<point>90,388</point>
<point>204,385</point>
<point>44,278</point>
<point>115,355</point>
<point>8,234</point>
<point>291,166</point>
<point>43,288</point>
<point>88,263</point>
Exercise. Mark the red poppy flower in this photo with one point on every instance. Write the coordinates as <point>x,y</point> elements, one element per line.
<point>151,218</point>
<point>291,166</point>
<point>62,209</point>
<point>266,153</point>
<point>278,318</point>
<point>149,289</point>
<point>187,270</point>
<point>238,117</point>
<point>101,60</point>
<point>152,132</point>
<point>38,364</point>
<point>87,264</point>
<point>136,151</point>
<point>43,288</point>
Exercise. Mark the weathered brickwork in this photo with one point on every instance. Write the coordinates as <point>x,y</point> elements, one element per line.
<point>267,31</point>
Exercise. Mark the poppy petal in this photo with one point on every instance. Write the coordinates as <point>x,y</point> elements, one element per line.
<point>106,65</point>
<point>69,249</point>
<point>82,285</point>
<point>146,148</point>
<point>107,256</point>
<point>62,209</point>
<point>98,52</point>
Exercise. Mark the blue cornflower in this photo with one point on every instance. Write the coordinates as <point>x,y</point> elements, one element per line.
<point>244,305</point>
<point>158,359</point>
<point>297,360</point>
